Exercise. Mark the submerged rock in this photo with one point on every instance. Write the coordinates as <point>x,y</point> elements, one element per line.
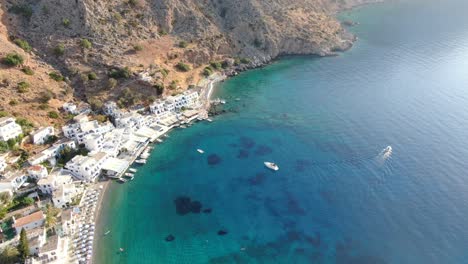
<point>207,211</point>
<point>169,238</point>
<point>247,142</point>
<point>243,154</point>
<point>222,232</point>
<point>195,207</point>
<point>257,179</point>
<point>263,150</point>
<point>185,205</point>
<point>213,159</point>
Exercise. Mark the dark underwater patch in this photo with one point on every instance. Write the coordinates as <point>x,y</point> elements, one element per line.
<point>169,238</point>
<point>243,154</point>
<point>185,205</point>
<point>207,211</point>
<point>258,179</point>
<point>246,142</point>
<point>213,159</point>
<point>222,232</point>
<point>293,205</point>
<point>263,150</point>
<point>302,164</point>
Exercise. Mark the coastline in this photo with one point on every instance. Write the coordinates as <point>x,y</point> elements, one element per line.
<point>207,87</point>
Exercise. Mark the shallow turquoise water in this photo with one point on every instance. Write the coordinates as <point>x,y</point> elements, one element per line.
<point>324,121</point>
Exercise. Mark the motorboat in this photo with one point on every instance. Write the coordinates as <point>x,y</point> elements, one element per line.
<point>201,151</point>
<point>106,233</point>
<point>121,180</point>
<point>129,174</point>
<point>141,161</point>
<point>132,170</point>
<point>209,120</point>
<point>159,140</point>
<point>271,165</point>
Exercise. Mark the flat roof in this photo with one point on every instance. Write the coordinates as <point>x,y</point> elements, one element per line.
<point>115,165</point>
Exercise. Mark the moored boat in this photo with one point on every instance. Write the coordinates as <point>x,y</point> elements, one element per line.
<point>201,151</point>
<point>271,165</point>
<point>141,161</point>
<point>132,170</point>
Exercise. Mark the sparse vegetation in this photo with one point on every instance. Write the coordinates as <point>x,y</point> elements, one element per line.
<point>23,87</point>
<point>27,70</point>
<point>119,73</point>
<point>173,85</point>
<point>59,50</point>
<point>24,10</point>
<point>183,67</point>
<point>25,124</point>
<point>66,22</point>
<point>159,88</point>
<point>95,104</point>
<point>164,72</point>
<point>13,59</point>
<point>23,44</point>
<point>162,32</point>
<point>111,83</point>
<point>45,96</point>
<point>207,71</point>
<point>13,102</point>
<point>56,76</point>
<point>245,60</point>
<point>86,44</point>
<point>53,114</point>
<point>183,44</point>
<point>216,65</point>
<point>138,47</point>
<point>92,76</point>
<point>127,98</point>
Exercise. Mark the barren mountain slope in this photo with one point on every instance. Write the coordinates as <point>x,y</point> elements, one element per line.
<point>84,38</point>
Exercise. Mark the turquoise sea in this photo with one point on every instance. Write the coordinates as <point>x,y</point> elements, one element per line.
<point>324,121</point>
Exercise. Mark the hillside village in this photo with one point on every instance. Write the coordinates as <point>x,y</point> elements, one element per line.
<point>51,196</point>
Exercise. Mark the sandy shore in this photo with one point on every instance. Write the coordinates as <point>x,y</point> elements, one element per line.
<point>207,85</point>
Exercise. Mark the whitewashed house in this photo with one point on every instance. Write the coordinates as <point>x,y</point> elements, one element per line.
<point>68,218</point>
<point>81,118</point>
<point>9,128</point>
<point>36,238</point>
<point>28,222</point>
<point>3,164</point>
<point>37,172</point>
<point>42,134</point>
<point>12,181</point>
<point>63,195</point>
<point>52,152</point>
<point>93,142</point>
<point>131,120</point>
<point>87,168</point>
<point>47,185</point>
<point>110,108</point>
<point>70,108</point>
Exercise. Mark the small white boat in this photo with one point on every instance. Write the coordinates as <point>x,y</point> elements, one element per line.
<point>201,151</point>
<point>106,233</point>
<point>129,174</point>
<point>159,140</point>
<point>141,161</point>
<point>209,120</point>
<point>222,101</point>
<point>271,165</point>
<point>386,152</point>
<point>122,180</point>
<point>132,170</point>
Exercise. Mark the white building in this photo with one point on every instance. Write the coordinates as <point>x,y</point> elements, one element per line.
<point>87,168</point>
<point>9,128</point>
<point>36,239</point>
<point>52,152</point>
<point>131,120</point>
<point>51,183</point>
<point>79,130</point>
<point>63,195</point>
<point>29,222</point>
<point>42,134</point>
<point>3,164</point>
<point>93,142</point>
<point>110,108</point>
<point>37,172</point>
<point>70,108</point>
<point>12,181</point>
<point>68,218</point>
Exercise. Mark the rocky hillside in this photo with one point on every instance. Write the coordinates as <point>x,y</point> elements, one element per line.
<point>100,46</point>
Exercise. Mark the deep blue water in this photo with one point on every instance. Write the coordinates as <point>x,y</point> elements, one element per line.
<point>324,121</point>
